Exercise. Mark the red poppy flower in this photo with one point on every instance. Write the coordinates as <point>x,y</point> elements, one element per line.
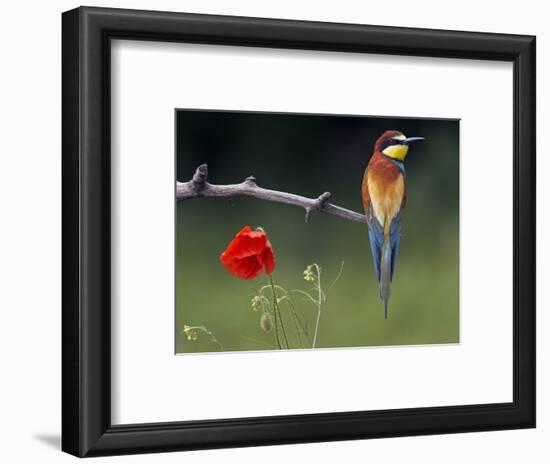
<point>248,253</point>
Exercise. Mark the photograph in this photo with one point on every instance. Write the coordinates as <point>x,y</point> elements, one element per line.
<point>315,231</point>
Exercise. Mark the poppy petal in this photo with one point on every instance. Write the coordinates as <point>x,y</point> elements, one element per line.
<point>247,244</point>
<point>268,259</point>
<point>244,268</point>
<point>243,230</point>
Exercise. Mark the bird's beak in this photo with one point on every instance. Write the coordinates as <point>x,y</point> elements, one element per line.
<point>410,140</point>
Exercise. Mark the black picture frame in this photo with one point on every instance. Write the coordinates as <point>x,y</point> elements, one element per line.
<point>86,228</point>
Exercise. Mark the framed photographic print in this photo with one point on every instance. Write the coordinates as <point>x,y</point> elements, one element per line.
<point>284,231</point>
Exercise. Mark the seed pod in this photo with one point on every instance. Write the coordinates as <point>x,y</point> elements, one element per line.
<point>265,322</point>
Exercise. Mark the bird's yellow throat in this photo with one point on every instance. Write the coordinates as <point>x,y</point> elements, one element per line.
<point>398,152</point>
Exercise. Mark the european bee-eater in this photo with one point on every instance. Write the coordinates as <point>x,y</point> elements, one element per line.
<point>384,196</point>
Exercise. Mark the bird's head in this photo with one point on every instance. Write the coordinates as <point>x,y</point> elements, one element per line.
<point>394,144</point>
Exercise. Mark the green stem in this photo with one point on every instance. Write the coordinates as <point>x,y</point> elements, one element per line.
<point>298,323</point>
<point>296,326</point>
<point>276,327</point>
<point>318,305</point>
<point>277,311</point>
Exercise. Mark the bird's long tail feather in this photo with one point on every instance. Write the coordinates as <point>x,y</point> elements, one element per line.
<point>385,275</point>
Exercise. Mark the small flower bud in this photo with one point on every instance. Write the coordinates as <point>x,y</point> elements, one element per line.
<point>309,275</point>
<point>256,303</point>
<point>265,322</point>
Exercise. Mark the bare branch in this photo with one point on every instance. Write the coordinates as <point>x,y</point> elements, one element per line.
<point>199,186</point>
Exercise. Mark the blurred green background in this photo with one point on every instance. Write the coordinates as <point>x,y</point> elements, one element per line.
<point>307,155</point>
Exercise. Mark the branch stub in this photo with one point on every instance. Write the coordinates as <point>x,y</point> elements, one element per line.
<point>322,200</point>
<point>200,177</point>
<point>250,180</point>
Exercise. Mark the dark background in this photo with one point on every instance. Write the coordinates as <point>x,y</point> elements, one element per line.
<point>307,155</point>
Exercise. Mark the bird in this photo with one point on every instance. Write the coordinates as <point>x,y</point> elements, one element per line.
<point>384,197</point>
